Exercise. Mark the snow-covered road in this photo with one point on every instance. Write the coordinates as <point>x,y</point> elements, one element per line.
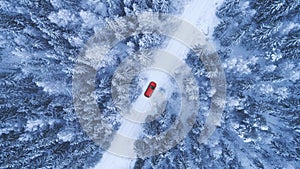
<point>199,13</point>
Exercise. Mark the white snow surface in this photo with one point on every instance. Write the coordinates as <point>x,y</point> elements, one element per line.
<point>199,13</point>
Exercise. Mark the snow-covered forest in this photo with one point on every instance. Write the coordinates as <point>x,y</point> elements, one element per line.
<point>257,42</point>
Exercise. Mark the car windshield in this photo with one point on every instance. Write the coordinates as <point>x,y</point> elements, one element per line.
<point>152,87</point>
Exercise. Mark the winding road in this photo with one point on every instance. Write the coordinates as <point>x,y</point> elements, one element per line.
<point>199,13</point>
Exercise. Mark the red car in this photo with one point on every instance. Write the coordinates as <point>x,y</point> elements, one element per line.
<point>150,89</point>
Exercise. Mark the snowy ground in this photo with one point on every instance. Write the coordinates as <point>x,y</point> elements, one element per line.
<point>198,13</point>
